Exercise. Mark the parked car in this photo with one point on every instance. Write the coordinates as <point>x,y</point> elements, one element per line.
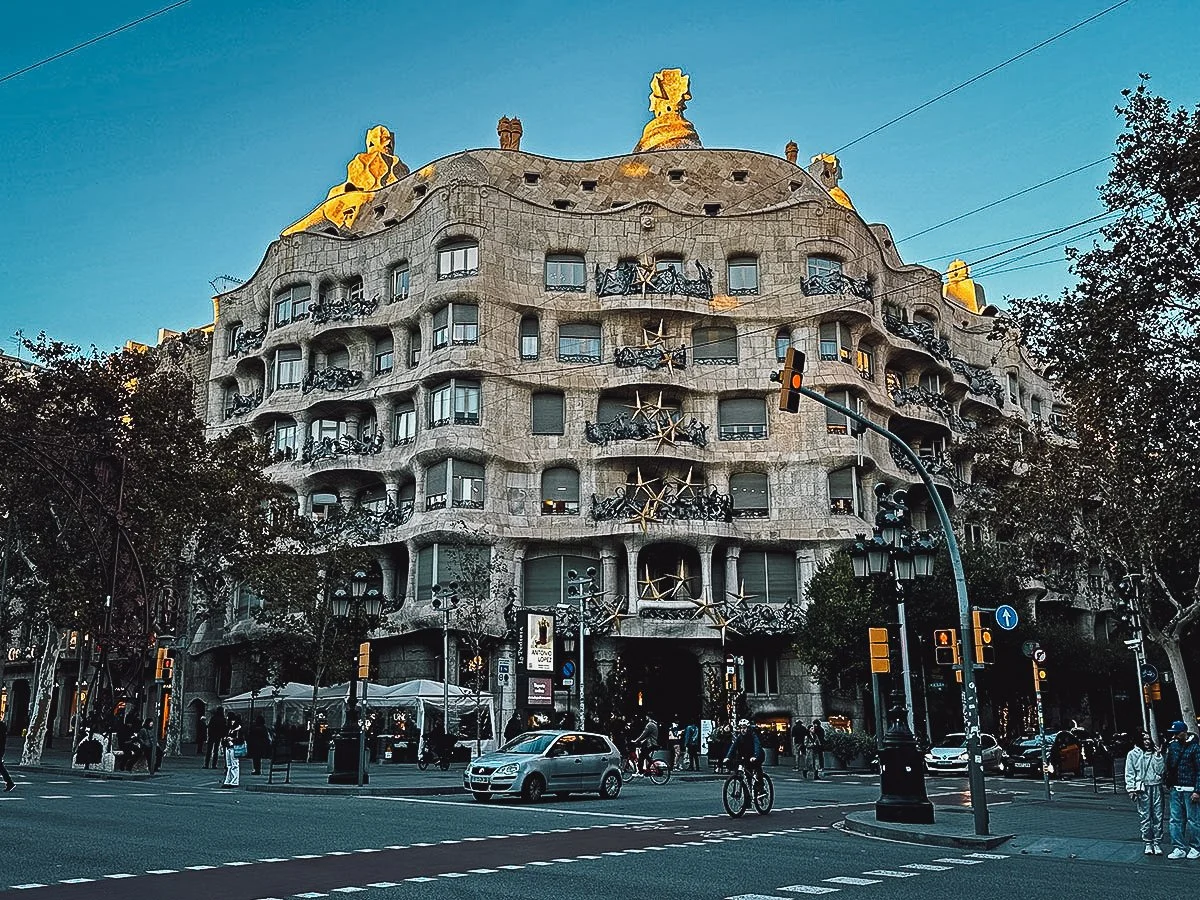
<point>561,762</point>
<point>1064,754</point>
<point>949,755</point>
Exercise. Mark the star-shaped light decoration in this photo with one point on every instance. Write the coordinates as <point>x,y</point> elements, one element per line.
<point>687,487</point>
<point>640,409</point>
<point>679,579</point>
<point>653,339</point>
<point>650,589</point>
<point>740,599</point>
<point>615,614</point>
<point>722,623</point>
<point>643,279</point>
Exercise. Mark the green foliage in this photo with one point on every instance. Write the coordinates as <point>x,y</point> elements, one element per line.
<point>833,637</point>
<point>848,747</point>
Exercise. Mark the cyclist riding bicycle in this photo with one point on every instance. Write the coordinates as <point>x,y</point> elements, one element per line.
<point>746,750</point>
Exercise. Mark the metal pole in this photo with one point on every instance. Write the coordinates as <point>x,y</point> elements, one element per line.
<point>905,671</point>
<point>1141,693</point>
<point>582,723</point>
<point>925,694</point>
<point>1037,693</point>
<point>970,695</point>
<point>446,674</point>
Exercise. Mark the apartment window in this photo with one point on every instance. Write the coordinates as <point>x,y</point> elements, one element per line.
<point>845,492</point>
<point>823,266</point>
<point>457,323</point>
<point>529,337</point>
<point>932,382</point>
<point>1035,408</point>
<point>326,429</point>
<point>742,419</point>
<point>864,361</point>
<point>373,498</point>
<point>566,272</point>
<point>400,282</point>
<point>404,422</point>
<point>893,380</point>
<point>232,336</point>
<point>783,340</point>
<point>742,276</point>
<point>749,492</point>
<point>932,449</point>
<point>560,492</point>
<point>674,263</point>
<point>338,358</point>
<point>288,367</point>
<point>895,311</point>
<point>973,533</point>
<point>292,305</point>
<point>354,291</point>
<point>714,346</point>
<point>762,675</point>
<point>545,581</point>
<point>455,402</point>
<point>1014,387</point>
<point>466,483</point>
<point>406,501</point>
<point>549,413</point>
<point>383,355</point>
<point>283,439</point>
<point>414,348</point>
<point>435,485</point>
<point>579,342</point>
<point>768,575</point>
<point>324,506</point>
<point>835,342</point>
<point>441,564</point>
<point>836,422</point>
<point>245,602</point>
<point>458,260</point>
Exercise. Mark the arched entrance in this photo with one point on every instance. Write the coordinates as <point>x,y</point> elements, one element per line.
<point>664,681</point>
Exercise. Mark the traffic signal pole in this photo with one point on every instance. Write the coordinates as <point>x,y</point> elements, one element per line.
<point>970,694</point>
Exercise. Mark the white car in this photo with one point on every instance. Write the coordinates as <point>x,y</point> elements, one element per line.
<point>949,755</point>
<point>539,762</point>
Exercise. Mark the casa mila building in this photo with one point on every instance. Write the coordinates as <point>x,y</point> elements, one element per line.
<point>570,360</point>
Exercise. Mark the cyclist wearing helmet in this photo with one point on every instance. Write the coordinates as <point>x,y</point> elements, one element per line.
<point>746,750</point>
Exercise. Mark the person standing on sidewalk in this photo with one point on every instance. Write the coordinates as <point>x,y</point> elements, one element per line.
<point>1144,767</point>
<point>216,737</point>
<point>234,741</point>
<point>691,746</point>
<point>9,784</point>
<point>1183,777</point>
<point>817,748</point>
<point>800,747</point>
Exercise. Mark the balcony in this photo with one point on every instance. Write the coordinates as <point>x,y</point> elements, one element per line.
<point>652,358</point>
<point>673,501</point>
<point>331,378</point>
<point>470,418</point>
<point>837,283</point>
<point>635,279</point>
<point>753,512</point>
<point>240,404</point>
<point>980,381</point>
<point>318,449</point>
<point>920,333</point>
<point>248,339</point>
<point>560,507</point>
<point>344,309</point>
<point>742,432</point>
<point>665,426</point>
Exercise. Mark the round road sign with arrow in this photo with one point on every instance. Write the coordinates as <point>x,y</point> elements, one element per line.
<point>1039,655</point>
<point>1149,674</point>
<point>1006,617</point>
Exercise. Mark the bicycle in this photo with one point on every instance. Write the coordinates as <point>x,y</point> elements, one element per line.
<point>432,756</point>
<point>737,793</point>
<point>656,770</point>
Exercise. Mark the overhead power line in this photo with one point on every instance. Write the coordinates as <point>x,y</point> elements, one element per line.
<point>97,39</point>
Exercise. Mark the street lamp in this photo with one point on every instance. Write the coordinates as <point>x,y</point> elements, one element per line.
<point>584,589</point>
<point>894,549</point>
<point>358,600</point>
<point>444,600</point>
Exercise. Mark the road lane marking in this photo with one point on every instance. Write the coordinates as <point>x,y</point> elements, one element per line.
<point>384,884</point>
<point>848,879</point>
<point>754,897</point>
<point>987,855</point>
<point>350,890</point>
<point>959,862</point>
<point>891,873</point>
<point>809,889</point>
<point>26,887</point>
<point>162,871</point>
<point>121,875</point>
<point>76,880</point>
<point>507,808</point>
<point>926,867</point>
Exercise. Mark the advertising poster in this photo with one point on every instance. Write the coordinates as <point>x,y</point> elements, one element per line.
<point>539,642</point>
<point>539,691</point>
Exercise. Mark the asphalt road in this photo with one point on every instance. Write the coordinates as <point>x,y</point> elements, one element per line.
<point>83,839</point>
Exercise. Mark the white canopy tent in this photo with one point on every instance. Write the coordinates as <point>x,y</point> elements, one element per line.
<point>421,696</point>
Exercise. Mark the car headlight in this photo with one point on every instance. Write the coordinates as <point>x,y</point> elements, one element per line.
<point>1050,768</point>
<point>962,755</point>
<point>509,769</point>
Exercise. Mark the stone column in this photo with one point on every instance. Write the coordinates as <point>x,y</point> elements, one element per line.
<point>705,550</point>
<point>387,565</point>
<point>635,602</point>
<point>392,490</point>
<point>345,497</point>
<point>732,555</point>
<point>385,410</point>
<point>418,472</point>
<point>518,573</point>
<point>806,565</point>
<point>412,570</point>
<point>304,499</point>
<point>608,572</point>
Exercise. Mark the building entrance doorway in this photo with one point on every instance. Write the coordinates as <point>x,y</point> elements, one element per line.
<point>664,681</point>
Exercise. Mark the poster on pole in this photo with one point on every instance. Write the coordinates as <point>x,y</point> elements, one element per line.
<point>539,642</point>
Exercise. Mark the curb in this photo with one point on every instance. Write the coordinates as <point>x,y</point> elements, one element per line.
<point>864,823</point>
<point>91,773</point>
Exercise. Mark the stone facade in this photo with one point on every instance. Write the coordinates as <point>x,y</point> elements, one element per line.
<point>512,288</point>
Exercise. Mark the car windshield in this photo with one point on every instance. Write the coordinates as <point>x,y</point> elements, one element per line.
<point>533,742</point>
<point>1033,740</point>
<point>952,742</point>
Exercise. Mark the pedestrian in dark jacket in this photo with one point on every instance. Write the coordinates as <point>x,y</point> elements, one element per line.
<point>258,743</point>
<point>1182,775</point>
<point>514,727</point>
<point>800,747</point>
<point>201,737</point>
<point>9,784</point>
<point>691,746</point>
<point>216,735</point>
<point>817,747</point>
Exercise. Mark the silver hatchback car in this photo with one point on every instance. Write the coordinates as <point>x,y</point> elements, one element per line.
<point>561,762</point>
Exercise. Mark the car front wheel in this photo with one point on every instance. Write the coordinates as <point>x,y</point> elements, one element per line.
<point>533,788</point>
<point>610,786</point>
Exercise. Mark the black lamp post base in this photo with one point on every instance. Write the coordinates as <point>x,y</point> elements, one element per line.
<point>347,759</point>
<point>902,784</point>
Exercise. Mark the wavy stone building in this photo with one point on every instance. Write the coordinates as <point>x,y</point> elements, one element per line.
<point>573,358</point>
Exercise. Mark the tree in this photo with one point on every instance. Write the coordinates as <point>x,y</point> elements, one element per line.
<point>833,638</point>
<point>1123,344</point>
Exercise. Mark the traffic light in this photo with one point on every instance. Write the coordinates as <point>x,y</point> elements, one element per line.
<point>160,661</point>
<point>1039,674</point>
<point>364,659</point>
<point>985,653</point>
<point>945,647</point>
<point>1152,691</point>
<point>168,670</point>
<point>791,379</point>
<point>881,651</point>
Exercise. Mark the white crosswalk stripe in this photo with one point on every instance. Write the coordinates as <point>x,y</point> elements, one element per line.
<point>850,879</point>
<point>809,889</point>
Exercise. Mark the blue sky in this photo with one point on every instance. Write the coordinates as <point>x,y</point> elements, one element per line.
<point>141,167</point>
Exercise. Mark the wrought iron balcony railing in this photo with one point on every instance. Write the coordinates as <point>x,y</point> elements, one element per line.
<point>921,333</point>
<point>664,426</point>
<point>980,381</point>
<point>318,449</point>
<point>331,378</point>
<point>736,432</point>
<point>629,279</point>
<point>560,507</point>
<point>248,339</point>
<point>837,283</point>
<point>650,357</point>
<point>634,503</point>
<point>363,525</point>
<point>344,309</point>
<point>751,512</point>
<point>240,404</point>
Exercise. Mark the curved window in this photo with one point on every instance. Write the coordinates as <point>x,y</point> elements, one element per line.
<point>354,290</point>
<point>404,422</point>
<point>714,346</point>
<point>443,563</point>
<point>566,272</point>
<point>749,493</point>
<point>326,429</point>
<point>288,368</point>
<point>549,413</point>
<point>560,492</point>
<point>282,440</point>
<point>373,498</point>
<point>324,505</point>
<point>384,353</point>
<point>458,260</point>
<point>743,276</point>
<point>292,305</point>
<point>835,342</point>
<point>456,323</point>
<point>823,266</point>
<point>767,575</point>
<point>400,282</point>
<point>864,361</point>
<point>845,492</point>
<point>783,340</point>
<point>579,342</point>
<point>836,422</point>
<point>338,358</point>
<point>742,419</point>
<point>529,337</point>
<point>414,347</point>
<point>454,482</point>
<point>233,334</point>
<point>455,402</point>
<point>545,581</point>
<point>932,382</point>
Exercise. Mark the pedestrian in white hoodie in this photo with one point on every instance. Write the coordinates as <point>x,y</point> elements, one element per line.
<point>1144,780</point>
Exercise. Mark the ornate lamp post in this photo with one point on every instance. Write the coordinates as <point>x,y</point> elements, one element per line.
<point>444,601</point>
<point>356,602</point>
<point>896,550</point>
<point>583,589</point>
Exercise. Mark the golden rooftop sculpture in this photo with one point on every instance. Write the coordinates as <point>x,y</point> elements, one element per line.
<point>669,130</point>
<point>960,288</point>
<point>827,170</point>
<point>376,168</point>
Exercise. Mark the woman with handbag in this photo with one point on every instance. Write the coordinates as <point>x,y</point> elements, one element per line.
<point>235,748</point>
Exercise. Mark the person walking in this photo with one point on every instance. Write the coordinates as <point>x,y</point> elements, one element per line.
<point>201,738</point>
<point>691,746</point>
<point>800,748</point>
<point>1144,767</point>
<point>216,737</point>
<point>258,743</point>
<point>816,744</point>
<point>1182,775</point>
<point>233,742</point>
<point>9,784</point>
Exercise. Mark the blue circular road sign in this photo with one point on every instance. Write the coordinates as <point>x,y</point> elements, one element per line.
<point>568,669</point>
<point>1006,617</point>
<point>1149,674</point>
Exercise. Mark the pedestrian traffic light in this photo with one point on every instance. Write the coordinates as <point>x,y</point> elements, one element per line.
<point>159,661</point>
<point>168,670</point>
<point>364,659</point>
<point>881,651</point>
<point>791,379</point>
<point>945,647</point>
<point>985,653</point>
